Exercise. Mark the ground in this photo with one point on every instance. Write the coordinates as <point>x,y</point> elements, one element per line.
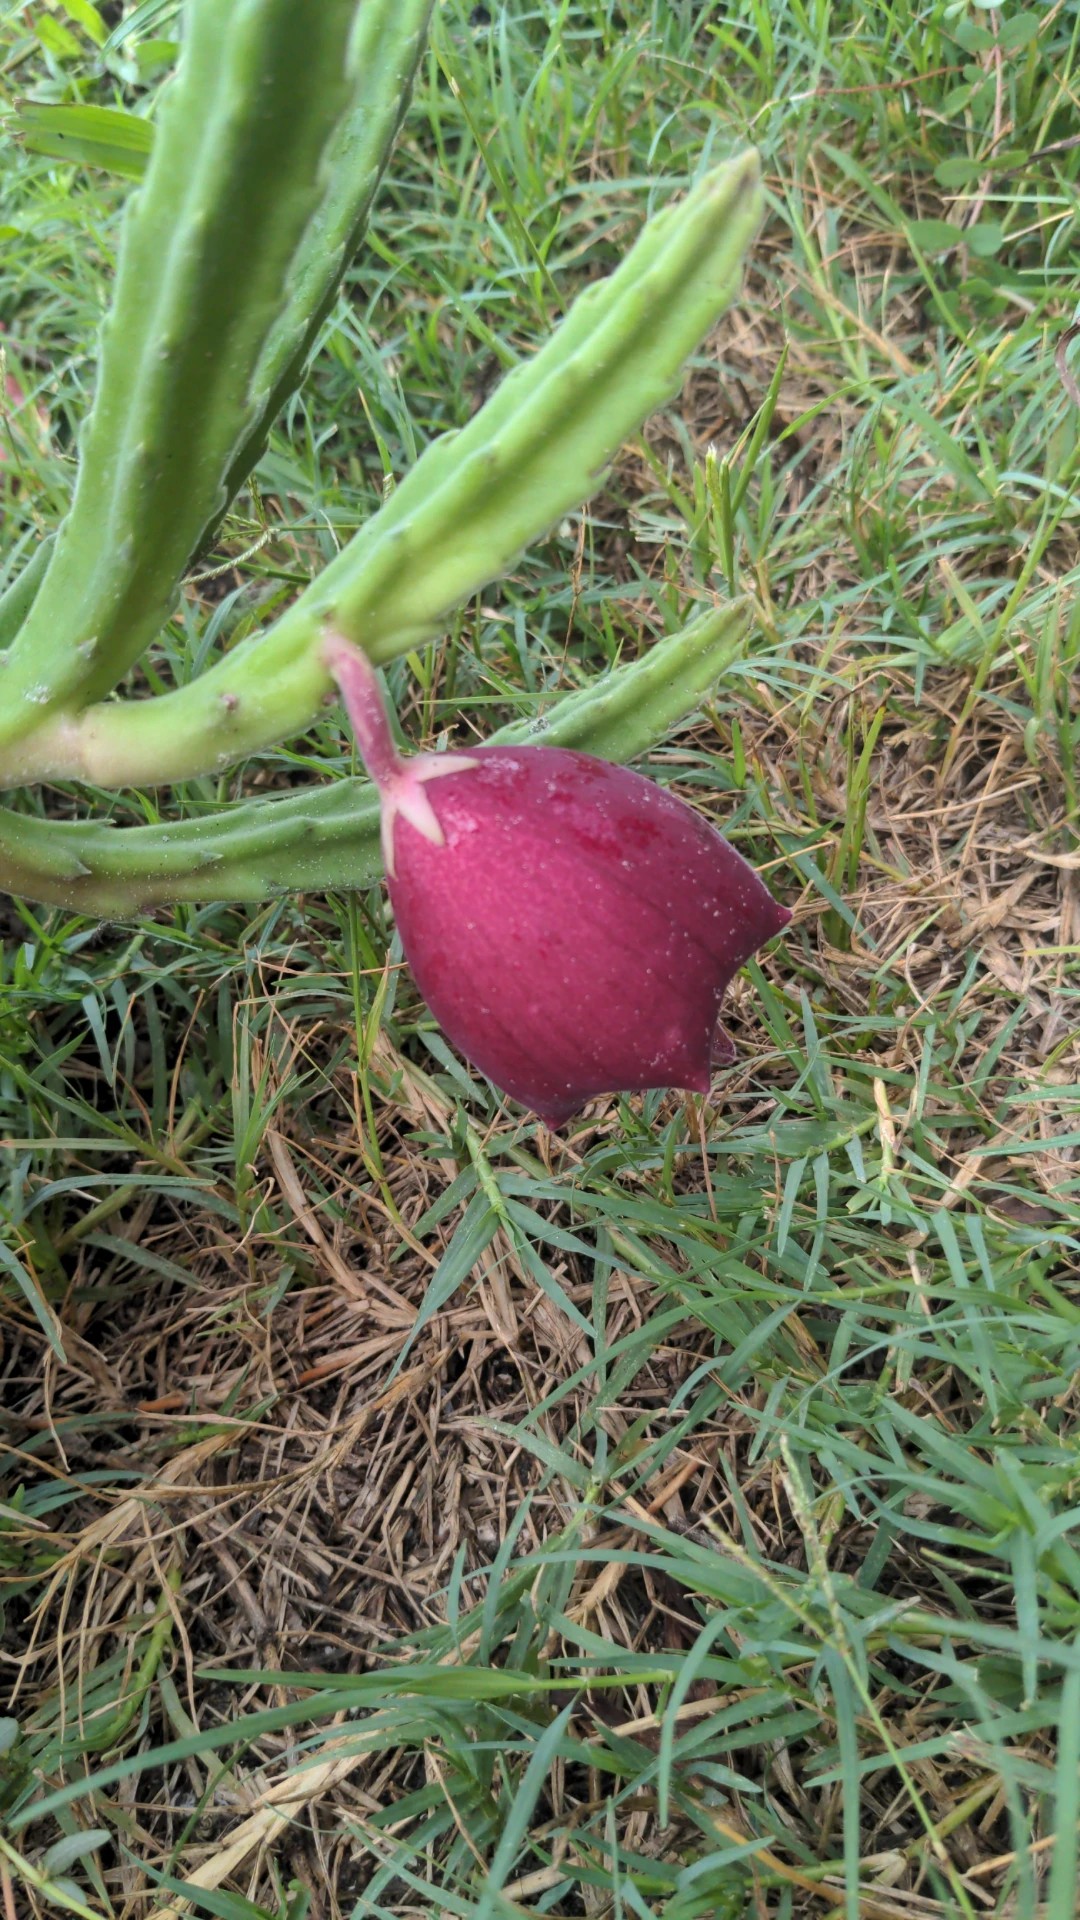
<point>403,1509</point>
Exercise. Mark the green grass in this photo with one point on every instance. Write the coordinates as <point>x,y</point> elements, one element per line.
<point>678,1516</point>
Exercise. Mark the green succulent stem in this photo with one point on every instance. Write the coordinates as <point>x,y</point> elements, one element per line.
<point>18,598</point>
<point>538,448</point>
<point>328,837</point>
<point>270,145</point>
<point>388,38</point>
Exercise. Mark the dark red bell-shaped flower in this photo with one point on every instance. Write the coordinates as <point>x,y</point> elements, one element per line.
<point>570,924</point>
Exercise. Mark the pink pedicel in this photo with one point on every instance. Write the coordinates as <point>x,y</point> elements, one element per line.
<point>571,925</point>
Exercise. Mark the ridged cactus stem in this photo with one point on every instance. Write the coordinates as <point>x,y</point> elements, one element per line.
<point>269,147</point>
<point>459,518</point>
<point>328,837</point>
<point>388,39</point>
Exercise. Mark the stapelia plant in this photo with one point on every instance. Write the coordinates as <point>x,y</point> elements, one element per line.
<point>266,156</point>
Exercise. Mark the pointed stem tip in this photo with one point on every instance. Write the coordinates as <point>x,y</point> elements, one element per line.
<point>359,686</point>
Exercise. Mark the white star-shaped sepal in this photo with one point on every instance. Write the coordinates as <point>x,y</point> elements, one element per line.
<point>404,794</point>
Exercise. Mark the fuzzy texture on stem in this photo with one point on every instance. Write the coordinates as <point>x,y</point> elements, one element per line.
<point>571,925</point>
